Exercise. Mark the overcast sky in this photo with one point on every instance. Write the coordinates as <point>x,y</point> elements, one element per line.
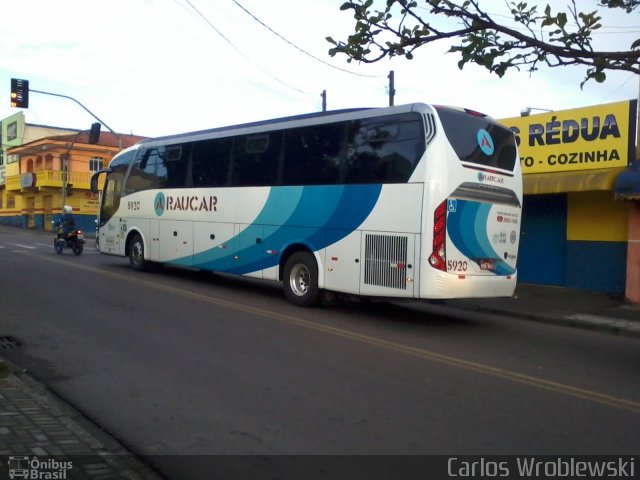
<point>157,67</point>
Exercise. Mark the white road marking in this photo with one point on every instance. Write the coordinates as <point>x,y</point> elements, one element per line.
<point>24,246</point>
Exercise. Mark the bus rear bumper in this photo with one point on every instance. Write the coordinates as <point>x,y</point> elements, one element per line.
<point>450,286</point>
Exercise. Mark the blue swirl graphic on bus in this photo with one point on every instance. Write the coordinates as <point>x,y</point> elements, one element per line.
<point>315,216</point>
<point>475,244</point>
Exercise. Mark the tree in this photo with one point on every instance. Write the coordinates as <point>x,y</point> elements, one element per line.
<point>554,39</point>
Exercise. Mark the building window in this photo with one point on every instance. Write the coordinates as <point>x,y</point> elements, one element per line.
<point>12,131</point>
<point>11,200</point>
<point>96,163</point>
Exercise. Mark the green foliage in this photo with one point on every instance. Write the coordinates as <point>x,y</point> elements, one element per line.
<point>552,38</point>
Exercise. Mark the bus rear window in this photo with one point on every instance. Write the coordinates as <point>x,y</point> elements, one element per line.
<point>479,139</point>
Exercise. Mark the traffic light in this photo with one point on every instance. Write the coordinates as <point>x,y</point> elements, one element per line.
<point>19,93</point>
<point>69,189</point>
<point>94,133</point>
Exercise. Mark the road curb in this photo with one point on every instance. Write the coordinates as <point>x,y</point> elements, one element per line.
<point>585,321</point>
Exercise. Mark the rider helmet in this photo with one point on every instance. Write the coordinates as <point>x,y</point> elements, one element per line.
<point>67,209</point>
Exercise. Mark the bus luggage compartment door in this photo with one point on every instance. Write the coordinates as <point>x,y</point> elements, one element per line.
<point>176,242</point>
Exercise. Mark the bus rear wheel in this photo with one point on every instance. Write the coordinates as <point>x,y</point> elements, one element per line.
<point>136,254</point>
<point>301,280</point>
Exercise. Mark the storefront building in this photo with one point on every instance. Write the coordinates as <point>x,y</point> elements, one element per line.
<point>577,230</point>
<point>14,131</point>
<point>36,173</point>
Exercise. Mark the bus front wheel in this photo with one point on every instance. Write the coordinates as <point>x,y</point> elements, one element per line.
<point>136,254</point>
<point>301,280</point>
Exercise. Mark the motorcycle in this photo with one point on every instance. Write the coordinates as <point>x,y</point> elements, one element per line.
<point>73,240</point>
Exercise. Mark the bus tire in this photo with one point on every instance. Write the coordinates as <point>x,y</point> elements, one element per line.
<point>301,280</point>
<point>136,254</point>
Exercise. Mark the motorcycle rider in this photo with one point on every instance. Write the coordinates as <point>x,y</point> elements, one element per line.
<point>67,221</point>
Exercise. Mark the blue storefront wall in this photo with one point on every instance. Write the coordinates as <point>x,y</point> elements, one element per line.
<point>14,220</point>
<point>597,266</point>
<point>577,240</point>
<point>542,256</point>
<point>86,223</point>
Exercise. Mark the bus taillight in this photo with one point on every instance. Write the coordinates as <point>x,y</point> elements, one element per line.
<point>438,257</point>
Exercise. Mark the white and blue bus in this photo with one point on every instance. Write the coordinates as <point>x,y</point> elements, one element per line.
<point>412,201</point>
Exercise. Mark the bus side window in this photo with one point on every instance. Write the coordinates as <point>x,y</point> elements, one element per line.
<point>172,171</point>
<point>148,172</point>
<point>256,159</point>
<point>384,149</point>
<point>360,157</point>
<point>210,162</point>
<point>312,154</point>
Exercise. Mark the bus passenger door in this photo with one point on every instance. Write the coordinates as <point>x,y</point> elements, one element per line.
<point>110,237</point>
<point>388,264</point>
<point>342,265</point>
<point>176,242</point>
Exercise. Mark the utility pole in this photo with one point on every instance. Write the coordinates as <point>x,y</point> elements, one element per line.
<point>94,137</point>
<point>392,87</point>
<point>324,100</point>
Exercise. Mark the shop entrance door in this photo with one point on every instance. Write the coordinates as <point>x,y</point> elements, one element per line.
<point>543,241</point>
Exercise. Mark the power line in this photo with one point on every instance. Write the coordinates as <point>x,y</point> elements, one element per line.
<point>300,49</point>
<point>619,88</point>
<point>205,19</point>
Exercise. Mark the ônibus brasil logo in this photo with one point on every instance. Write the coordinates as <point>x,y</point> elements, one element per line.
<point>485,142</point>
<point>159,203</point>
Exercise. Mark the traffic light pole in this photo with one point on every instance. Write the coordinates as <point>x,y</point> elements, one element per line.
<point>85,108</point>
<point>65,167</point>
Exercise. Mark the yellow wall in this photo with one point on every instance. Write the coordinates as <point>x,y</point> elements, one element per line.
<point>595,216</point>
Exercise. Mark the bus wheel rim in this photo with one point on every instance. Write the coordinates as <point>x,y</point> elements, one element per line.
<point>137,253</point>
<point>299,280</point>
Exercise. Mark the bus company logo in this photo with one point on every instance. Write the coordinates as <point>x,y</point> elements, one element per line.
<point>485,142</point>
<point>159,204</point>
<point>192,203</point>
<point>483,177</point>
<point>514,237</point>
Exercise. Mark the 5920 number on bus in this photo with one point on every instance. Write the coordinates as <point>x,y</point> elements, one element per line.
<point>457,265</point>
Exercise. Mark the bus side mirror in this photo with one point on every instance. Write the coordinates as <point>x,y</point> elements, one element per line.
<point>94,179</point>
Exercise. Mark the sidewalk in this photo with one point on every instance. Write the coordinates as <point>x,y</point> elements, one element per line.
<point>41,435</point>
<point>34,423</point>
<point>563,306</point>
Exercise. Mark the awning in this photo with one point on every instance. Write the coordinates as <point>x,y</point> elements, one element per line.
<point>574,181</point>
<point>628,183</point>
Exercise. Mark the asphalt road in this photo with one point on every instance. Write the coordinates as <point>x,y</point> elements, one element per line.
<point>182,362</point>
